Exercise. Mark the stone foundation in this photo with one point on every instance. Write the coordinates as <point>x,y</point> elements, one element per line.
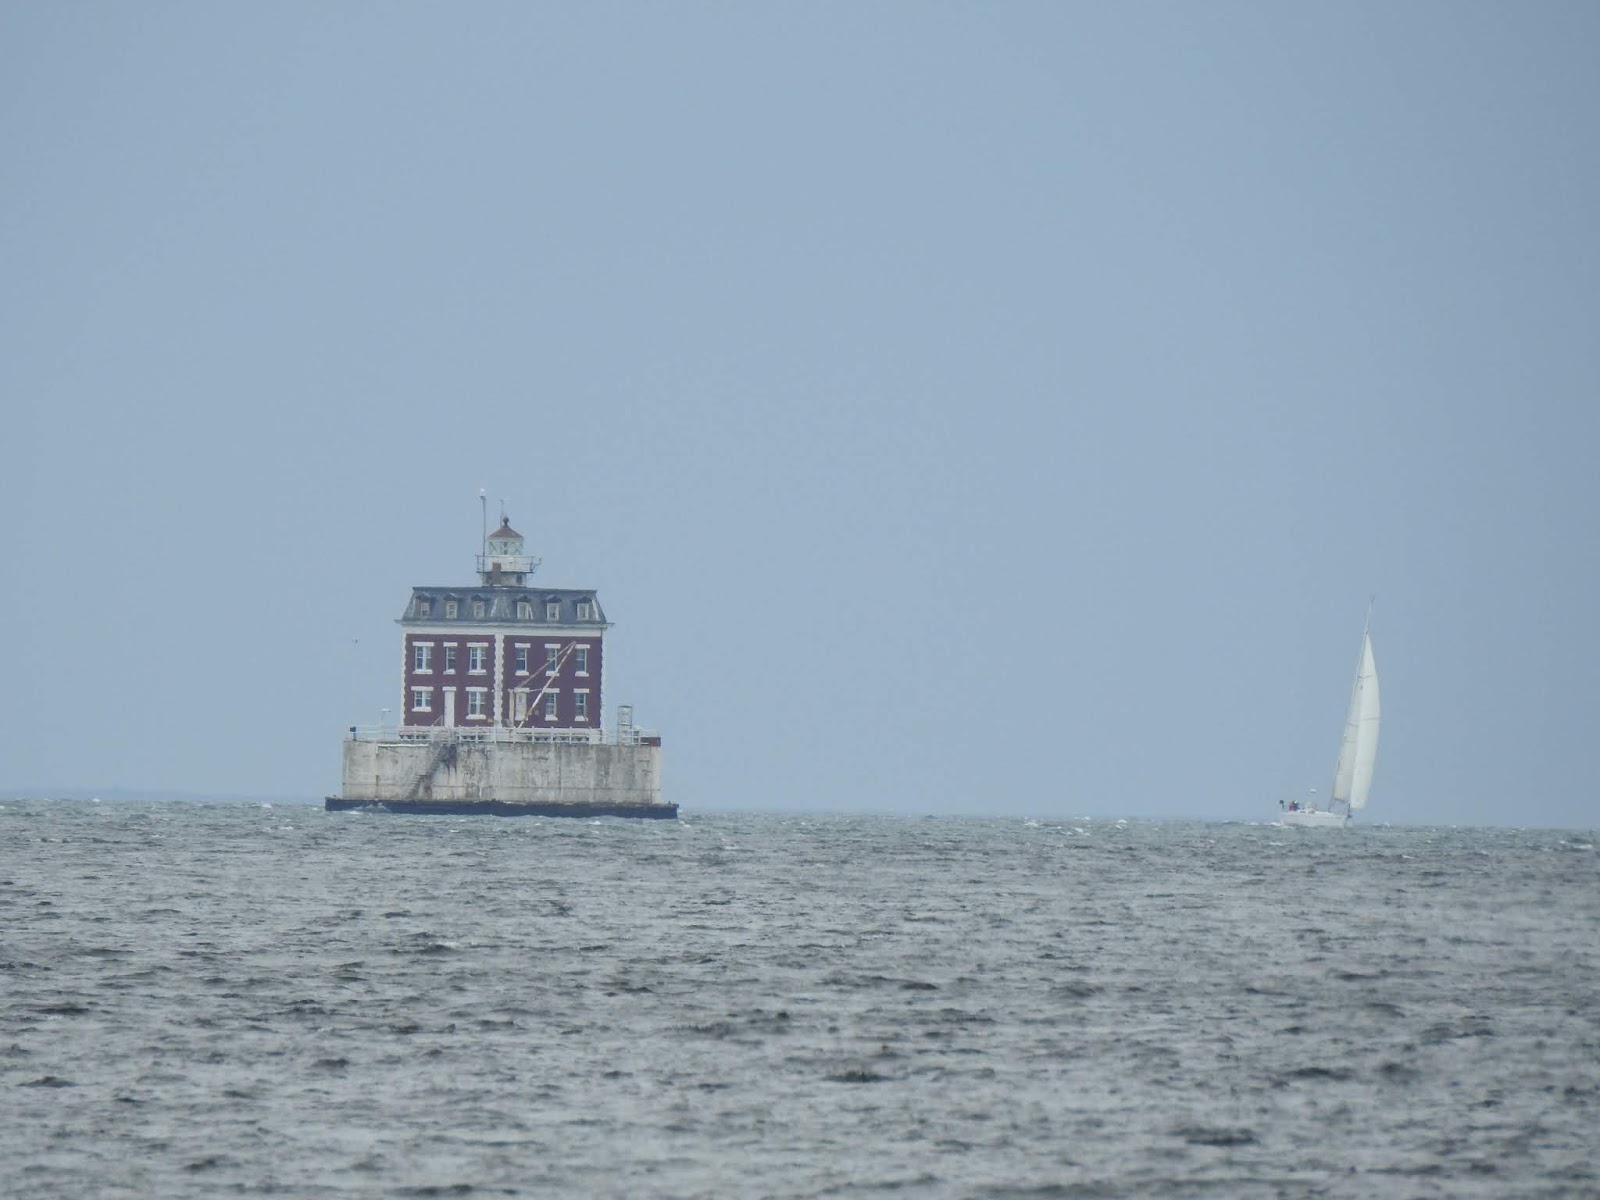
<point>461,771</point>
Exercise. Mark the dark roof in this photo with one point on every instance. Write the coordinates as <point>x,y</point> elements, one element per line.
<point>500,606</point>
<point>505,531</point>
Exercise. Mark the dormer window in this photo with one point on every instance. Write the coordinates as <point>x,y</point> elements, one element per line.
<point>552,611</point>
<point>451,609</point>
<point>478,610</point>
<point>424,606</point>
<point>583,610</point>
<point>524,610</point>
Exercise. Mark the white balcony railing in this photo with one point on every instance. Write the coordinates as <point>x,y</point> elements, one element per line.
<point>423,734</point>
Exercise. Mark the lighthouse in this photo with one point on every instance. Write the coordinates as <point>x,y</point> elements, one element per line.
<point>502,705</point>
<point>503,654</point>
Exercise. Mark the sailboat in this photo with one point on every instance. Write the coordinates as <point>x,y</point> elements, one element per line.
<point>1358,749</point>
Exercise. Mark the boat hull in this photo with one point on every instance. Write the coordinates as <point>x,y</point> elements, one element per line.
<point>1310,819</point>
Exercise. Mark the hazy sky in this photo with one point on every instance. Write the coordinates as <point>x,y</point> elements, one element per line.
<point>959,408</point>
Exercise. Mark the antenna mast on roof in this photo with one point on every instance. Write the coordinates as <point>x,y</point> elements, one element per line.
<point>483,503</point>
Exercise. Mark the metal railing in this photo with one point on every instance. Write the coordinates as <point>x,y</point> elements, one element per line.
<point>468,735</point>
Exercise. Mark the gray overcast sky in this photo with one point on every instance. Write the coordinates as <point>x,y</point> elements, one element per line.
<point>959,408</point>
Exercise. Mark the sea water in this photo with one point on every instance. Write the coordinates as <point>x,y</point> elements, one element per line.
<point>202,1001</point>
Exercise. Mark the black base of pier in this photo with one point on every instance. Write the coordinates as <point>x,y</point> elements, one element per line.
<point>502,808</point>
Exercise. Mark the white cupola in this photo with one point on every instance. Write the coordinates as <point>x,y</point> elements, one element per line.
<point>502,563</point>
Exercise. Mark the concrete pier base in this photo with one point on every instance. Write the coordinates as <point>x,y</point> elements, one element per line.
<point>446,772</point>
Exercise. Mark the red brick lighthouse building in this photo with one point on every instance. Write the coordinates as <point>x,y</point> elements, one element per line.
<point>504,653</point>
<point>502,706</point>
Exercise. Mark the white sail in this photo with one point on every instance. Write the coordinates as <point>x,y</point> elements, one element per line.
<point>1366,728</point>
<point>1358,748</point>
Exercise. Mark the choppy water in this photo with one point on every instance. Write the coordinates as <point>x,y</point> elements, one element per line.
<point>207,1001</point>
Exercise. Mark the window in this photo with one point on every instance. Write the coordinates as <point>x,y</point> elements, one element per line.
<point>552,611</point>
<point>424,606</point>
<point>581,657</point>
<point>524,610</point>
<point>421,699</point>
<point>583,610</point>
<point>519,705</point>
<point>477,701</point>
<point>477,610</point>
<point>522,660</point>
<point>476,656</point>
<point>549,706</point>
<point>449,660</point>
<point>421,657</point>
<point>552,659</point>
<point>580,702</point>
<point>451,609</point>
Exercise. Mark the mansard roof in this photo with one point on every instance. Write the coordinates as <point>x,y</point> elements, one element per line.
<point>500,606</point>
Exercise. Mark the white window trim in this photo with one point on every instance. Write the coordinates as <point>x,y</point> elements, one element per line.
<point>576,714</point>
<point>583,649</point>
<point>552,611</point>
<point>483,649</point>
<point>551,709</point>
<point>425,694</point>
<point>483,702</point>
<point>416,646</point>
